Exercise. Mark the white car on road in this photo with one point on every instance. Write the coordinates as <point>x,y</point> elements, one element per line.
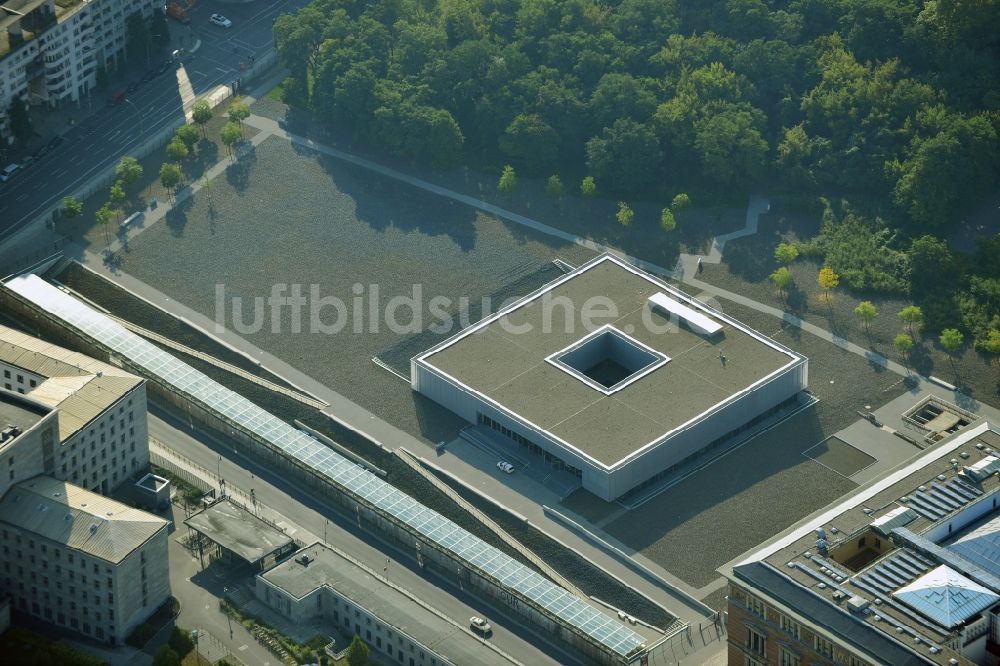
<point>480,626</point>
<point>220,20</point>
<point>505,467</point>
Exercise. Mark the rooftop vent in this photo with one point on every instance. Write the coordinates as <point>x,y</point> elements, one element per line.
<point>857,604</point>
<point>983,469</point>
<point>898,517</point>
<point>93,528</point>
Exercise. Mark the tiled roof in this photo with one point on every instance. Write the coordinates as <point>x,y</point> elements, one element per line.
<point>78,518</point>
<point>80,386</point>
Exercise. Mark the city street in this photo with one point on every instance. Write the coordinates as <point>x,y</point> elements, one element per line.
<point>100,135</point>
<point>306,510</point>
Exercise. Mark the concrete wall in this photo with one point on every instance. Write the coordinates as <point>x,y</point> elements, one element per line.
<point>22,457</point>
<point>611,483</point>
<point>141,584</point>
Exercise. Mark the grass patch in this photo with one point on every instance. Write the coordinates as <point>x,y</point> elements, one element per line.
<point>302,653</point>
<point>277,93</point>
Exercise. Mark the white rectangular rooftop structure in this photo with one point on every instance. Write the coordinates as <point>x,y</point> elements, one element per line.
<point>697,321</point>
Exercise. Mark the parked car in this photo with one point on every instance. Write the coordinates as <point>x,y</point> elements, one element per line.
<point>221,21</point>
<point>480,626</point>
<point>54,142</point>
<point>40,153</point>
<point>116,98</point>
<point>8,172</point>
<point>505,467</point>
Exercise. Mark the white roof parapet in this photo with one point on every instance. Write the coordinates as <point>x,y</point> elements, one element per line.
<point>698,322</point>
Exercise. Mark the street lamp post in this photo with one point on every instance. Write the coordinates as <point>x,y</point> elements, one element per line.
<point>137,112</point>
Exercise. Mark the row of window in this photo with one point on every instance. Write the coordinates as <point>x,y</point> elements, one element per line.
<point>757,640</point>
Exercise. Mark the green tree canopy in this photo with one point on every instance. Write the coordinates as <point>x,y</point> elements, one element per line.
<point>625,215</point>
<point>177,150</point>
<point>866,312</point>
<point>588,187</point>
<point>230,134</point>
<point>128,171</point>
<point>71,207</point>
<point>951,340</point>
<point>785,253</point>
<point>508,180</point>
<point>170,175</point>
<point>680,203</point>
<point>903,343</point>
<point>782,278</point>
<point>667,220</point>
<point>201,113</point>
<point>357,652</point>
<point>624,156</point>
<point>554,187</point>
<point>188,134</point>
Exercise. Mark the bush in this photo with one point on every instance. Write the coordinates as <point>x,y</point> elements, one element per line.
<point>862,253</point>
<point>180,641</point>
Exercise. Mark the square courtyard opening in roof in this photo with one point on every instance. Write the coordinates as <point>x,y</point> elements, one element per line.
<point>616,400</point>
<point>608,360</point>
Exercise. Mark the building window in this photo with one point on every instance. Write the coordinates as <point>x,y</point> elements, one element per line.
<point>755,641</point>
<point>791,627</point>
<point>788,658</point>
<point>823,646</point>
<point>748,661</point>
<point>855,661</point>
<point>756,606</point>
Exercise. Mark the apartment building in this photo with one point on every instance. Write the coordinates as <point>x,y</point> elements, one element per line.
<point>81,561</point>
<point>91,417</point>
<point>50,52</point>
<point>905,570</point>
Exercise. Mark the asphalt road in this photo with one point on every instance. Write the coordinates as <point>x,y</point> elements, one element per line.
<point>103,134</point>
<point>304,509</point>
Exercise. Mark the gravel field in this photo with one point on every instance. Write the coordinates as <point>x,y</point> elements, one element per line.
<point>337,227</point>
<point>760,489</point>
<point>748,263</point>
<point>594,219</point>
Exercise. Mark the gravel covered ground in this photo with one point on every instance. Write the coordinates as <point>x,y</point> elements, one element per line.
<point>337,227</point>
<point>767,485</point>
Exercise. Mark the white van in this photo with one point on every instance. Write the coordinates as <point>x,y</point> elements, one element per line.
<point>8,171</point>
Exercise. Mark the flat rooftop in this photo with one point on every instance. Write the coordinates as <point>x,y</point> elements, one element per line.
<point>238,530</point>
<point>19,413</point>
<point>326,568</point>
<point>508,360</point>
<point>938,493</point>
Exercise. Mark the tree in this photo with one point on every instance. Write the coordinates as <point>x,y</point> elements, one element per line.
<point>180,641</point>
<point>667,220</point>
<point>508,180</point>
<point>782,279</point>
<point>786,253</point>
<point>625,214</point>
<point>165,656</point>
<point>357,652</point>
<point>170,176</point>
<point>626,156</point>
<point>991,344</point>
<point>230,135</point>
<point>201,113</point>
<point>588,188</point>
<point>532,141</point>
<point>177,150</point>
<point>866,312</point>
<point>951,341</point>
<point>554,187</point>
<point>912,316</point>
<point>104,216</point>
<point>238,112</point>
<point>71,207</point>
<point>19,119</point>
<point>188,134</point>
<point>680,203</point>
<point>128,171</point>
<point>903,344</point>
<point>827,280</point>
<point>116,195</point>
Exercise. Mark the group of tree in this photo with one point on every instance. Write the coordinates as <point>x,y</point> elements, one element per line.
<point>950,290</point>
<point>177,647</point>
<point>892,101</point>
